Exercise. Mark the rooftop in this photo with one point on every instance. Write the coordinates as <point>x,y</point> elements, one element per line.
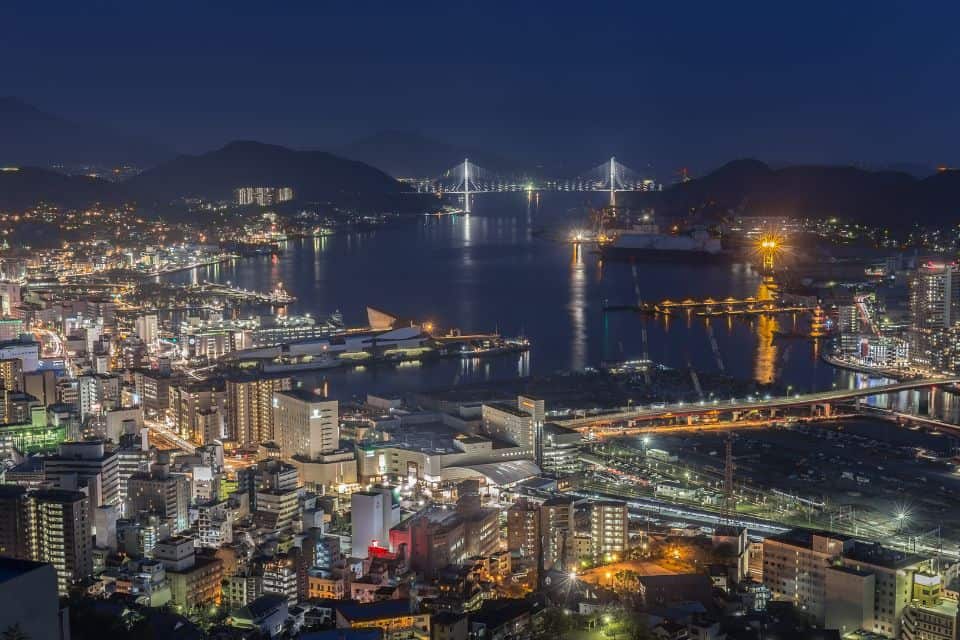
<point>304,395</point>
<point>879,556</point>
<point>11,568</point>
<point>352,610</point>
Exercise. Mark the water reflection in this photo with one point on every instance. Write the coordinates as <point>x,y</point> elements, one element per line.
<point>765,363</point>
<point>577,310</point>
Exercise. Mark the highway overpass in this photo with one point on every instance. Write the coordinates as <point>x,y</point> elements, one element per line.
<point>744,404</point>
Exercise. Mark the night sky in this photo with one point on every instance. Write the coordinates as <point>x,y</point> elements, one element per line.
<point>669,83</point>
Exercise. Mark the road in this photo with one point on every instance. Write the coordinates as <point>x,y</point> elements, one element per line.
<point>781,402</point>
<point>170,435</point>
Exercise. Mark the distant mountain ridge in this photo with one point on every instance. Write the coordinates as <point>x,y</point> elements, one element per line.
<point>313,175</point>
<point>751,187</point>
<point>30,136</point>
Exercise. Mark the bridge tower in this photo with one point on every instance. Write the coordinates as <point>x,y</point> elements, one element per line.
<point>466,185</point>
<point>613,181</point>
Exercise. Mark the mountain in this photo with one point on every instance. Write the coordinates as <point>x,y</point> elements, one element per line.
<point>751,187</point>
<point>315,176</point>
<point>413,154</point>
<point>23,188</point>
<point>31,137</point>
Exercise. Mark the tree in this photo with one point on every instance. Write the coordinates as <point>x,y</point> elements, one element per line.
<point>14,633</point>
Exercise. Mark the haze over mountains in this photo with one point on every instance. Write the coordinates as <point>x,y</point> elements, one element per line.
<point>29,136</point>
<point>891,198</point>
<point>32,137</point>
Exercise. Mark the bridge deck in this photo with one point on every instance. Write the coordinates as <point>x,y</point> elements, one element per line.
<point>799,400</point>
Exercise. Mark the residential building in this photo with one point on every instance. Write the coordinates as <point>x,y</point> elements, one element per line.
<point>609,528</point>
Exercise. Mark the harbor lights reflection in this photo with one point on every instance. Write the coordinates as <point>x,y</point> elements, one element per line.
<point>577,309</point>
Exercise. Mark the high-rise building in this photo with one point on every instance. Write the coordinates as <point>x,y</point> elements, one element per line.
<point>147,329</point>
<point>930,615</point>
<point>161,492</point>
<point>934,307</point>
<point>609,530</point>
<point>249,406</point>
<point>280,576</point>
<point>834,577</point>
<point>306,425</point>
<point>262,196</point>
<point>523,529</point>
<point>198,410</point>
<point>86,466</point>
<point>15,522</point>
<point>61,531</point>
<point>11,375</point>
<point>520,424</point>
<point>557,529</point>
<point>372,515</point>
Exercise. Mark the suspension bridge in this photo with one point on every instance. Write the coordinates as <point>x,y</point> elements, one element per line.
<point>467,178</point>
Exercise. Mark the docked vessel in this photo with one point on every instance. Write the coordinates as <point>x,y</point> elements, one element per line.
<point>626,236</point>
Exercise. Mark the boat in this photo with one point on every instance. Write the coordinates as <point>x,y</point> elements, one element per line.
<point>642,238</point>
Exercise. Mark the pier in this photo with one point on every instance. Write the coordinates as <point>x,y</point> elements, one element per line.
<point>710,307</point>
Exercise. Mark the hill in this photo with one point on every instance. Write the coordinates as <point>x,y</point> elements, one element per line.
<point>30,186</point>
<point>314,176</point>
<point>32,137</point>
<point>751,187</point>
<point>412,154</point>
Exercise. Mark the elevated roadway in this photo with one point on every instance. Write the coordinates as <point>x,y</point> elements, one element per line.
<point>759,404</point>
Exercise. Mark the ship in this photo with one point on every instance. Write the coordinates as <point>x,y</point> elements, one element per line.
<point>642,239</point>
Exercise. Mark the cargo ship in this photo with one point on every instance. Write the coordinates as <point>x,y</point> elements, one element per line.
<point>642,239</point>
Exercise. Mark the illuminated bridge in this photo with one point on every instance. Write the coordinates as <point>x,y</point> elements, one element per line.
<point>821,399</point>
<point>711,307</point>
<point>467,178</point>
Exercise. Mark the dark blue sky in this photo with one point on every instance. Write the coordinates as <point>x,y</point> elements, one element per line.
<point>670,83</point>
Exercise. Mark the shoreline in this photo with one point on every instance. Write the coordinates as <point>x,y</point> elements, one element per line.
<point>892,374</point>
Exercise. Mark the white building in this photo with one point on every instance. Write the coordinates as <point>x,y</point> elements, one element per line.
<point>148,329</point>
<point>372,515</point>
<point>306,424</point>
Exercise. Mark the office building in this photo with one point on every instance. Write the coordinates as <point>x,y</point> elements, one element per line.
<point>307,426</point>
<point>520,424</point>
<point>161,492</point>
<point>372,515</point>
<point>834,577</point>
<point>86,466</point>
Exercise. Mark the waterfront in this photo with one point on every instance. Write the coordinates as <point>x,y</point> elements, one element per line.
<point>499,269</point>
